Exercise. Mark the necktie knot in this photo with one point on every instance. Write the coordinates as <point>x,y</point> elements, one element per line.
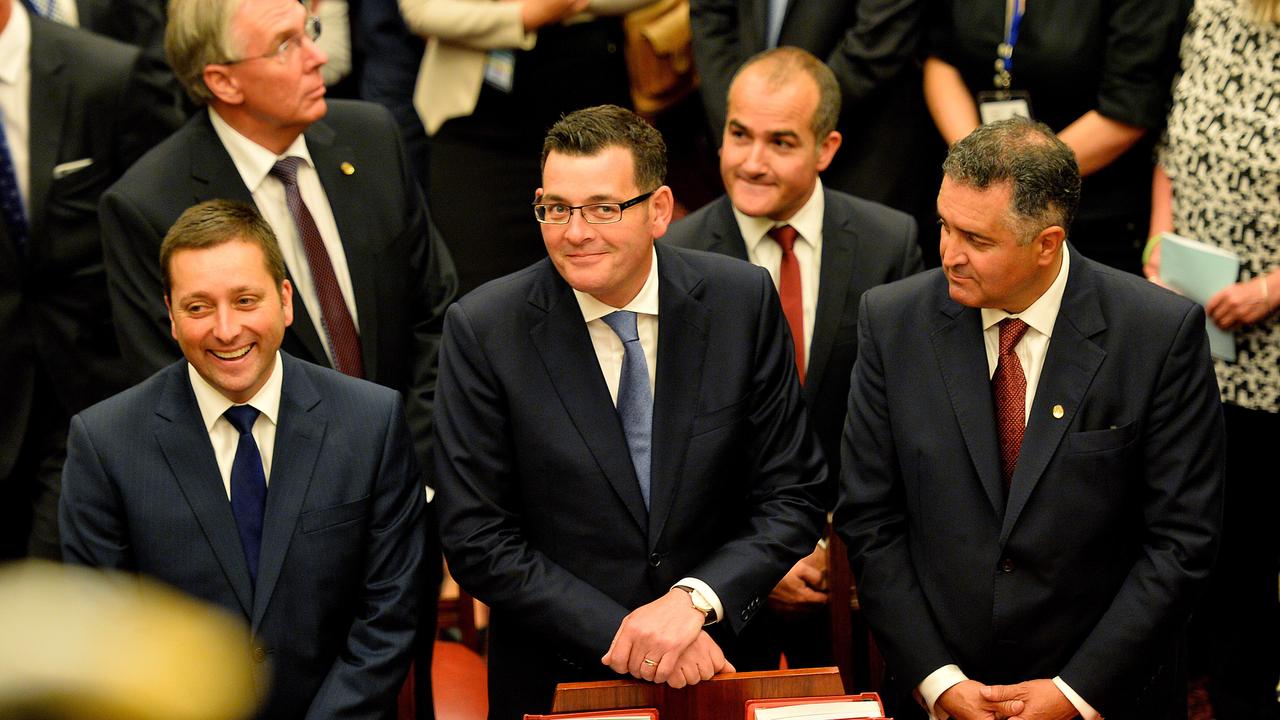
<point>785,236</point>
<point>623,323</point>
<point>286,169</point>
<point>1011,331</point>
<point>242,417</point>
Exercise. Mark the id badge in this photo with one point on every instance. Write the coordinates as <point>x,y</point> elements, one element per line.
<point>500,70</point>
<point>994,105</point>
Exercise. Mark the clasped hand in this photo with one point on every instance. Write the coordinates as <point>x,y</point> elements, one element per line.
<point>663,642</point>
<point>1031,700</point>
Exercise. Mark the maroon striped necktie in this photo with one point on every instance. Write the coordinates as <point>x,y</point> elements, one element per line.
<point>1009,386</point>
<point>335,318</point>
<point>789,290</point>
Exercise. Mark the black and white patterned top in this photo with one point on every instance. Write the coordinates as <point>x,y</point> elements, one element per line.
<point>1222,154</point>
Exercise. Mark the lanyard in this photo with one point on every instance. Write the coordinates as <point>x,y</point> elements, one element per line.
<point>1014,10</point>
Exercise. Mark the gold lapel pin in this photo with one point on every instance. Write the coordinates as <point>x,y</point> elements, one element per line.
<point>1058,412</point>
<point>348,168</point>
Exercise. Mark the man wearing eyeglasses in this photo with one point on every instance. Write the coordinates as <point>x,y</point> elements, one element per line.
<point>371,276</point>
<point>624,465</point>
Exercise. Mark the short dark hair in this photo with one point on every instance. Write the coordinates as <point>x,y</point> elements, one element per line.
<point>783,64</point>
<point>215,222</point>
<point>590,130</point>
<point>1041,168</point>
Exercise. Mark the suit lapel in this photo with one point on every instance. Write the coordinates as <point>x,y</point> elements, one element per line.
<point>837,275</point>
<point>185,443</point>
<point>564,346</point>
<point>726,238</point>
<point>683,323</point>
<point>1069,367</point>
<point>329,154</point>
<point>962,360</point>
<point>47,111</point>
<point>298,439</point>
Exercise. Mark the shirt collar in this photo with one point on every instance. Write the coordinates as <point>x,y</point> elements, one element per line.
<point>807,221</point>
<point>213,403</point>
<point>15,45</point>
<point>645,302</point>
<point>1042,313</point>
<point>253,161</point>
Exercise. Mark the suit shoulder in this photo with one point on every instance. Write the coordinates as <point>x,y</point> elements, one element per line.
<point>1131,295</point>
<point>89,53</point>
<point>694,229</point>
<point>868,207</point>
<point>123,411</point>
<point>155,173</point>
<point>333,385</point>
<point>717,269</point>
<point>354,116</point>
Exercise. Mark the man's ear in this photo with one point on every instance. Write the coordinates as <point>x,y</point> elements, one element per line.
<point>827,149</point>
<point>223,84</point>
<point>173,324</point>
<point>661,208</point>
<point>1049,243</point>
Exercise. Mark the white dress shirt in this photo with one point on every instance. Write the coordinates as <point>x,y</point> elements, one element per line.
<point>767,253</point>
<point>15,97</point>
<point>223,435</point>
<point>610,352</point>
<point>1031,350</point>
<point>254,164</point>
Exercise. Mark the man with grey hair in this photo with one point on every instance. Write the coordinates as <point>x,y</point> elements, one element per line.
<point>331,178</point>
<point>1032,500</point>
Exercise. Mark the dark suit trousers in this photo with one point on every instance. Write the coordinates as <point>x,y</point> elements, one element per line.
<point>29,495</point>
<point>1241,611</point>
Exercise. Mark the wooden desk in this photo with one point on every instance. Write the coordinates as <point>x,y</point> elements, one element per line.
<point>720,698</point>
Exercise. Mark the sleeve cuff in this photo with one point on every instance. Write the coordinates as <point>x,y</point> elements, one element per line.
<point>707,593</point>
<point>1085,709</point>
<point>936,683</point>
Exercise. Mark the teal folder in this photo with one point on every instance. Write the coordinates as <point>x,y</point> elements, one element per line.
<point>1198,271</point>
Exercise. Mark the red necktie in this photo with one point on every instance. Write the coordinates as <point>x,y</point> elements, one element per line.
<point>789,290</point>
<point>1009,385</point>
<point>335,318</point>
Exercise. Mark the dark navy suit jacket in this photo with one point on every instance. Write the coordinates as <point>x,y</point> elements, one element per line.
<point>1089,567</point>
<point>334,610</point>
<point>541,515</point>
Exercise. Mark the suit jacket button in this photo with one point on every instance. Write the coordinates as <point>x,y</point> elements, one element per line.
<point>655,560</point>
<point>259,654</point>
<point>1006,565</point>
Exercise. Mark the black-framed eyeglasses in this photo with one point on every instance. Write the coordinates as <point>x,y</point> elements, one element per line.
<point>310,30</point>
<point>594,213</point>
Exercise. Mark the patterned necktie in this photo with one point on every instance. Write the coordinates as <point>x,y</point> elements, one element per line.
<point>1009,385</point>
<point>11,210</point>
<point>635,401</point>
<point>789,290</point>
<point>343,339</point>
<point>248,486</point>
<point>55,10</point>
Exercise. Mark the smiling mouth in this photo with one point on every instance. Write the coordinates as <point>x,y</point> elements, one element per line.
<point>232,355</point>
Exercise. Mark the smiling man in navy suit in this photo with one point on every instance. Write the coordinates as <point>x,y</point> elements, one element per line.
<point>1032,486</point>
<point>287,493</point>
<point>780,133</point>
<point>623,454</point>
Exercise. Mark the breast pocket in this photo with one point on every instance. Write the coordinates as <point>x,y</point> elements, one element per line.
<point>331,517</point>
<point>716,419</point>
<point>1101,441</point>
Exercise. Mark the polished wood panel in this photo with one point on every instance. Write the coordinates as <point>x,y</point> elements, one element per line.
<point>723,696</point>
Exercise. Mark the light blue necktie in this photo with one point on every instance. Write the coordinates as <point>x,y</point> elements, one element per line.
<point>635,401</point>
<point>773,23</point>
<point>248,486</point>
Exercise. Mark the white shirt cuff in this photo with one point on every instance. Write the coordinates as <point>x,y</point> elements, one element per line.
<point>707,593</point>
<point>936,683</point>
<point>1085,709</point>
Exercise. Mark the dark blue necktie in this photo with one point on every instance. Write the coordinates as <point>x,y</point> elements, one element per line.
<point>248,486</point>
<point>635,401</point>
<point>11,210</point>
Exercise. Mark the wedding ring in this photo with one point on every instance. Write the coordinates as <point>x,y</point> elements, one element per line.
<point>647,661</point>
